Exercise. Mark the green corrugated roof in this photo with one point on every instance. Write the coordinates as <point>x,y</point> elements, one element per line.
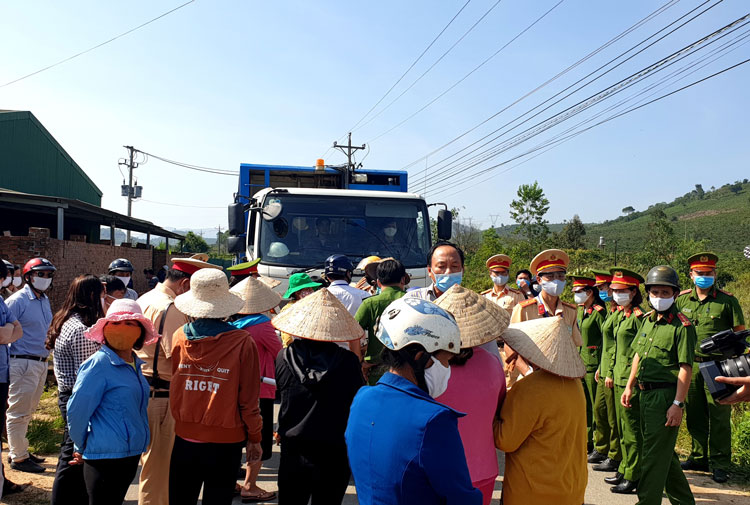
<point>32,161</point>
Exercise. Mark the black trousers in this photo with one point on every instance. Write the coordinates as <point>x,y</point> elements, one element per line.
<point>266,412</point>
<point>107,480</point>
<point>213,466</point>
<point>69,486</point>
<point>312,470</point>
<point>3,407</point>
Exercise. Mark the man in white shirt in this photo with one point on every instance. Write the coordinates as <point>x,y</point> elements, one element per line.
<point>338,271</point>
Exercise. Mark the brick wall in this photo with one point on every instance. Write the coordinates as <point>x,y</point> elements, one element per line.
<point>74,258</point>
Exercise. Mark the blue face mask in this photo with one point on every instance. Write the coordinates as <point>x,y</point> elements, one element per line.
<point>704,281</point>
<point>444,281</point>
<point>604,295</point>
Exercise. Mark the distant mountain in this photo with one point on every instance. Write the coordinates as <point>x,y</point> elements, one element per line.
<point>209,236</point>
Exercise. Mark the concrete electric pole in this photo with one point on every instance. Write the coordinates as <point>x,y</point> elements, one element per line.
<point>349,151</point>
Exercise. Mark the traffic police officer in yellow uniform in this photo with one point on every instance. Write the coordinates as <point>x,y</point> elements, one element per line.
<point>501,293</point>
<point>711,310</point>
<point>662,369</point>
<point>550,268</point>
<point>591,315</point>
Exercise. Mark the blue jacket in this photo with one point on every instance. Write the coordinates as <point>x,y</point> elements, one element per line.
<point>107,416</point>
<point>404,448</point>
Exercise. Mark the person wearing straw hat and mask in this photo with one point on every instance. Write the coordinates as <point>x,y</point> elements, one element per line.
<point>477,383</point>
<point>300,286</point>
<point>662,369</point>
<point>550,268</point>
<point>317,381</point>
<point>607,453</point>
<point>259,299</point>
<point>626,323</point>
<point>369,281</point>
<point>591,315</point>
<point>404,446</point>
<point>158,306</point>
<point>242,271</point>
<point>214,394</point>
<point>500,293</point>
<point>107,417</point>
<point>542,424</point>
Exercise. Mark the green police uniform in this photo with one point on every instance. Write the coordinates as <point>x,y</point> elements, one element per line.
<point>367,316</point>
<point>606,432</point>
<point>625,326</point>
<point>707,421</point>
<point>590,322</point>
<point>664,342</point>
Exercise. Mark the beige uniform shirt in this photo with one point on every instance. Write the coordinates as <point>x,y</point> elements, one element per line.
<point>534,308</point>
<point>153,305</point>
<point>507,298</point>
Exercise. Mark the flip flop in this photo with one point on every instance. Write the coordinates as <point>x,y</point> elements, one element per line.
<point>264,497</point>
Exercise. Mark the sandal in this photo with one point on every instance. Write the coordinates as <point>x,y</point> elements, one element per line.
<point>263,497</point>
<point>13,488</point>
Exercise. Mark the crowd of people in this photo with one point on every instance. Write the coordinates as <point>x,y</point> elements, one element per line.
<point>409,391</point>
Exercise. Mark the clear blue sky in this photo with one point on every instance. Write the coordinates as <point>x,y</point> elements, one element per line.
<point>222,82</point>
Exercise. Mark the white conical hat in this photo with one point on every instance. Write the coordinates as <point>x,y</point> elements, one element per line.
<point>546,343</point>
<point>271,283</point>
<point>209,296</point>
<point>319,316</point>
<point>257,296</point>
<point>479,319</point>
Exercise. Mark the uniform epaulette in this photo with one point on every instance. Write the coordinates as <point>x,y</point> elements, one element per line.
<point>513,290</point>
<point>527,303</point>
<point>598,308</point>
<point>725,292</point>
<point>485,291</point>
<point>648,314</point>
<point>637,311</point>
<point>685,291</point>
<point>571,305</point>
<point>685,320</point>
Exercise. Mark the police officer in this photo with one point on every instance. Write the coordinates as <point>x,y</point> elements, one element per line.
<point>123,269</point>
<point>625,325</point>
<point>500,293</point>
<point>711,310</point>
<point>662,369</point>
<point>591,315</point>
<point>607,451</point>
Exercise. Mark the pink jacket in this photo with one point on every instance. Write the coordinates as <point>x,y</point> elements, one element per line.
<point>269,346</point>
<point>477,389</point>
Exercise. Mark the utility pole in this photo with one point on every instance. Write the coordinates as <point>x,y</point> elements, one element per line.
<point>218,240</point>
<point>349,151</point>
<point>131,165</point>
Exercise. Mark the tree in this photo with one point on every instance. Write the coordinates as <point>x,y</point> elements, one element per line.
<point>699,191</point>
<point>661,239</point>
<point>528,211</point>
<point>195,243</point>
<point>736,187</point>
<point>628,210</point>
<point>572,234</point>
<point>466,236</point>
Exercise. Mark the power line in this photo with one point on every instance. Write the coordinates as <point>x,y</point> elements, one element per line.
<point>96,46</point>
<point>215,171</point>
<point>180,205</point>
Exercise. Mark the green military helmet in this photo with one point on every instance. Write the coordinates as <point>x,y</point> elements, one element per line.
<point>703,260</point>
<point>663,275</point>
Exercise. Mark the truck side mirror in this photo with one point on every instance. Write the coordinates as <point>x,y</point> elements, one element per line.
<point>236,219</point>
<point>235,245</point>
<point>444,224</point>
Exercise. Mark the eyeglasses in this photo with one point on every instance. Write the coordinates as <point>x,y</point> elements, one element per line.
<point>48,275</point>
<point>560,276</point>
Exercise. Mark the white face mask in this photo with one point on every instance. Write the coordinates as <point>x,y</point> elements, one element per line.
<point>437,377</point>
<point>500,280</point>
<point>390,231</point>
<point>661,304</point>
<point>124,278</point>
<point>621,298</point>
<point>16,281</point>
<point>553,288</point>
<point>580,297</point>
<point>7,281</point>
<point>41,283</point>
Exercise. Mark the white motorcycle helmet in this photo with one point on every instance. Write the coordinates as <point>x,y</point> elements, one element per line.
<point>415,321</point>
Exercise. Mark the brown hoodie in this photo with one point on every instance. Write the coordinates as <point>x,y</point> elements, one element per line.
<point>215,387</point>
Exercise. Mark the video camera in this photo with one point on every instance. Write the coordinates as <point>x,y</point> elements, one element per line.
<point>735,363</point>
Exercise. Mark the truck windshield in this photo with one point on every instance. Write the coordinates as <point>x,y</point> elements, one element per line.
<point>311,228</point>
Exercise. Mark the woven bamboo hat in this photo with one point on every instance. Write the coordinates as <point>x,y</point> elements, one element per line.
<point>479,319</point>
<point>546,343</point>
<point>271,283</point>
<point>209,296</point>
<point>319,316</point>
<point>257,296</point>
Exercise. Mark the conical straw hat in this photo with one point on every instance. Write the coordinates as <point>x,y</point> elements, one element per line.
<point>271,283</point>
<point>257,296</point>
<point>319,316</point>
<point>479,319</point>
<point>209,296</point>
<point>546,343</point>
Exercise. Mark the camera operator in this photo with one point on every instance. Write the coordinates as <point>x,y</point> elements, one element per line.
<point>711,310</point>
<point>664,350</point>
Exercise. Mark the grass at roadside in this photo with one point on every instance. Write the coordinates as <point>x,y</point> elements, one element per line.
<point>46,428</point>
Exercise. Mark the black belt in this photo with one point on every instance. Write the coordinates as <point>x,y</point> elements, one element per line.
<point>648,386</point>
<point>701,359</point>
<point>159,394</point>
<point>28,356</point>
<point>157,383</point>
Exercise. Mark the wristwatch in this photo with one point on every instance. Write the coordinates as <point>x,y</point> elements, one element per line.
<point>679,404</point>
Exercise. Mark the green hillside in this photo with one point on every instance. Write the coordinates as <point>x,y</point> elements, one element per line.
<point>721,216</point>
